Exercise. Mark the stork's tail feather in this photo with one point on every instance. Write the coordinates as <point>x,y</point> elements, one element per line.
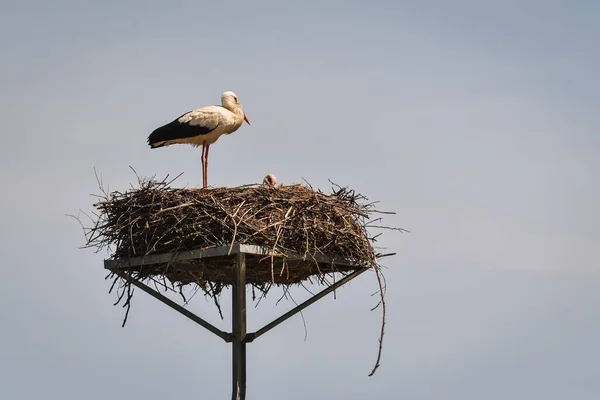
<point>153,144</point>
<point>156,143</point>
<point>160,136</point>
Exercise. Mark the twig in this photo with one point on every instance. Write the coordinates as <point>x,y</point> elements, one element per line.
<point>383,308</point>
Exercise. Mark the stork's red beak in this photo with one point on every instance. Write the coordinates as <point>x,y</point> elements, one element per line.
<point>246,119</point>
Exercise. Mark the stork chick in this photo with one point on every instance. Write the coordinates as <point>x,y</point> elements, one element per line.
<point>270,180</point>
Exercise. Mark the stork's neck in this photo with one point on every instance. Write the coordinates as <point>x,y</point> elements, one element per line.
<point>237,110</point>
<point>229,104</point>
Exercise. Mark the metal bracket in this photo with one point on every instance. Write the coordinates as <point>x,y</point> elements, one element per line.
<point>205,324</point>
<point>250,337</point>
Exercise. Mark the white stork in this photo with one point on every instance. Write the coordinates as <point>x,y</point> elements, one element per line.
<point>202,127</point>
<point>270,181</point>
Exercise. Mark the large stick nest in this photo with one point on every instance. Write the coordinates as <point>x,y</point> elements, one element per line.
<point>155,218</point>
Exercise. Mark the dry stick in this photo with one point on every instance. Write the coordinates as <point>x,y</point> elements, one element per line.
<point>116,279</point>
<point>279,229</point>
<point>389,228</point>
<point>235,225</point>
<point>120,295</point>
<point>185,302</point>
<point>264,294</point>
<point>285,290</point>
<point>195,290</point>
<point>303,320</point>
<point>382,293</point>
<point>214,297</point>
<point>283,268</point>
<point>305,288</point>
<point>127,303</point>
<point>175,207</point>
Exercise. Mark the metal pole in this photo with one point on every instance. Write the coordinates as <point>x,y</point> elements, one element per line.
<point>239,329</point>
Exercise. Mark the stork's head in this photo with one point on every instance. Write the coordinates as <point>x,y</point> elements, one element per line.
<point>230,101</point>
<point>270,180</point>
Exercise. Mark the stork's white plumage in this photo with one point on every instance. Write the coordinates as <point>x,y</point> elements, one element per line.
<point>202,127</point>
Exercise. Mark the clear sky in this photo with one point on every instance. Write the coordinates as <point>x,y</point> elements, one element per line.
<point>476,121</point>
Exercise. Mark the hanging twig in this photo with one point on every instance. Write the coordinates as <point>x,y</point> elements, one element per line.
<point>383,310</point>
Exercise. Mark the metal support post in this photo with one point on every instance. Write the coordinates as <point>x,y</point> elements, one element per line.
<point>239,329</point>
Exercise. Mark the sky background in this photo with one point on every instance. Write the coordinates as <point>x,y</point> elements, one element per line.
<point>475,121</point>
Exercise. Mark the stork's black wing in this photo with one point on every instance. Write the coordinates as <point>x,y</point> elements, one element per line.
<point>190,124</point>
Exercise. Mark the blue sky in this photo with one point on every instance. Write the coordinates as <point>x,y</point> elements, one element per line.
<point>475,121</point>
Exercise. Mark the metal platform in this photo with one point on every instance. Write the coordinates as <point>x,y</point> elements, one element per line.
<point>239,253</point>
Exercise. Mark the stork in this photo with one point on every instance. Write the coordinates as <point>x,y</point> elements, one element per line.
<point>270,181</point>
<point>202,127</point>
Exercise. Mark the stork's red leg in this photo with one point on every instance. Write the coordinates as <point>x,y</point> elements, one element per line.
<point>204,148</point>
<point>206,165</point>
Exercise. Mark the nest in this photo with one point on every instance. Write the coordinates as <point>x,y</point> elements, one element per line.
<point>290,220</point>
<point>295,222</point>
